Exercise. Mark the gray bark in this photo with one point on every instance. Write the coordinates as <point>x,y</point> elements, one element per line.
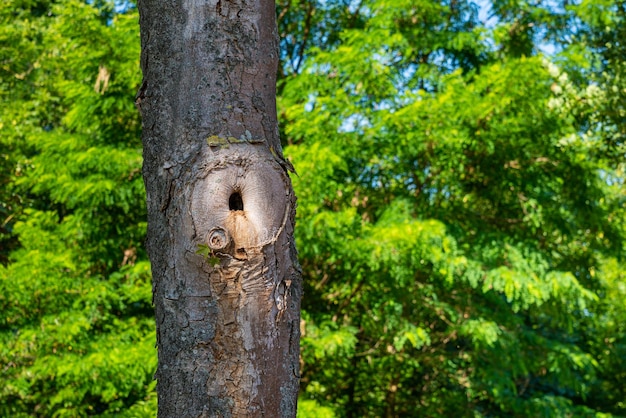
<point>227,321</point>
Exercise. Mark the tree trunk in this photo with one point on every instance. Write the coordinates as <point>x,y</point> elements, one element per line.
<point>226,281</point>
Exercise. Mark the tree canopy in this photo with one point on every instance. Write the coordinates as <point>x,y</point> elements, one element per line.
<point>460,218</point>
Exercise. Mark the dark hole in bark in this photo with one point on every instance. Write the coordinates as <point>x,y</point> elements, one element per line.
<point>235,202</point>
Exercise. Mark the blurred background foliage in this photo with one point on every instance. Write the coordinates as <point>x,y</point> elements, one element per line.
<point>461,218</point>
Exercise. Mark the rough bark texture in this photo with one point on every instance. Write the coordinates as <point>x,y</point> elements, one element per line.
<point>227,323</point>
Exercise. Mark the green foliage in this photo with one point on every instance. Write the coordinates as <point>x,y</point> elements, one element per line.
<point>76,332</point>
<point>457,202</point>
<point>311,409</point>
<point>460,216</point>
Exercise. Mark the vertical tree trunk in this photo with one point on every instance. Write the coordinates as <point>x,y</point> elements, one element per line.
<point>216,182</point>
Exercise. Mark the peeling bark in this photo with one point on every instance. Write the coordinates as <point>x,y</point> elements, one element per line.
<point>227,324</point>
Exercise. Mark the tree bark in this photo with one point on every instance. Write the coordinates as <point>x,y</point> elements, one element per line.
<point>217,183</point>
